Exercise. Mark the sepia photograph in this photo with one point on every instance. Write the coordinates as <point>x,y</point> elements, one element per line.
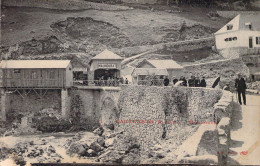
<point>129,82</point>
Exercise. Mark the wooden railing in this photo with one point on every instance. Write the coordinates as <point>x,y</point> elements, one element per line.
<point>96,83</point>
<point>24,83</point>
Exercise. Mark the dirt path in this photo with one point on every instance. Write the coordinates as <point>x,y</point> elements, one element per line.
<point>245,133</point>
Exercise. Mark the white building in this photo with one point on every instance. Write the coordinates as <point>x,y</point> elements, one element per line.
<point>241,36</point>
<point>158,68</point>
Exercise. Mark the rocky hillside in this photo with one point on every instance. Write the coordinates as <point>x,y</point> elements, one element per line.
<point>30,32</point>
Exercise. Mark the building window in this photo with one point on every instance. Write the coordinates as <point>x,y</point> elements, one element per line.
<point>229,27</point>
<point>52,75</point>
<point>230,39</point>
<point>249,25</point>
<point>257,40</point>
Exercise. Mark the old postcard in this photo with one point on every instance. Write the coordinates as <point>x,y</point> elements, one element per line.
<point>119,82</point>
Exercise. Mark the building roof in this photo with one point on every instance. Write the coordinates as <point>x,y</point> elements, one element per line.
<point>149,71</point>
<point>162,64</point>
<point>253,18</point>
<point>241,22</point>
<point>34,64</point>
<point>106,54</point>
<point>165,64</point>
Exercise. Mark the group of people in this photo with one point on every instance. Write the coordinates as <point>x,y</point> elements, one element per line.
<point>111,81</point>
<point>240,84</point>
<point>192,82</point>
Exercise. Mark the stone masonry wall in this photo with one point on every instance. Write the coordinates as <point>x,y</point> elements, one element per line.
<point>230,53</point>
<point>232,14</point>
<point>90,103</point>
<point>210,144</point>
<point>97,105</point>
<point>144,110</point>
<point>223,111</point>
<point>63,5</point>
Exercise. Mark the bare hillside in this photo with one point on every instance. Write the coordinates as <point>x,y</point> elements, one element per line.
<point>35,31</point>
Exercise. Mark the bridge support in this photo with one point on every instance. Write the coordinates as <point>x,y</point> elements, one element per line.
<point>4,105</point>
<point>65,103</point>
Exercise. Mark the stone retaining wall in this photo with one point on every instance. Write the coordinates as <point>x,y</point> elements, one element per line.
<point>223,111</point>
<point>170,46</point>
<point>210,144</point>
<point>160,111</point>
<point>63,5</point>
<point>232,14</point>
<point>231,53</point>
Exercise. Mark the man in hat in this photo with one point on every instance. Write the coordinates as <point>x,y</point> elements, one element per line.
<point>240,85</point>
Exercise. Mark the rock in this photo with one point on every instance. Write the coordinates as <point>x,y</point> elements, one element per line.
<point>51,149</point>
<point>96,147</point>
<point>101,141</point>
<point>151,154</point>
<point>99,131</point>
<point>221,132</point>
<point>43,142</point>
<point>109,142</point>
<point>110,126</point>
<point>222,140</point>
<point>205,160</point>
<point>131,158</point>
<point>109,134</point>
<point>157,147</point>
<point>91,153</point>
<point>111,156</point>
<point>77,148</point>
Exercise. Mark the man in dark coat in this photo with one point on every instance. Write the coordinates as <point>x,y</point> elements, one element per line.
<point>191,81</point>
<point>184,81</point>
<point>174,80</point>
<point>240,85</point>
<point>197,82</point>
<point>203,82</point>
<point>166,81</point>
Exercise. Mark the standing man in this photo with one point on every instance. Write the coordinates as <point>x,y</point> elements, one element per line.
<point>174,80</point>
<point>191,81</point>
<point>166,81</point>
<point>203,82</point>
<point>197,82</point>
<point>240,85</point>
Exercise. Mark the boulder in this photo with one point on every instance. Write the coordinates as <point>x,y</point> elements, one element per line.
<point>91,153</point>
<point>99,131</point>
<point>101,141</point>
<point>96,147</point>
<point>51,149</point>
<point>77,148</point>
<point>110,142</point>
<point>111,156</point>
<point>131,158</point>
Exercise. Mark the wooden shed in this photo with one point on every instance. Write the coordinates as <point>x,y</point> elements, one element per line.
<point>36,73</point>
